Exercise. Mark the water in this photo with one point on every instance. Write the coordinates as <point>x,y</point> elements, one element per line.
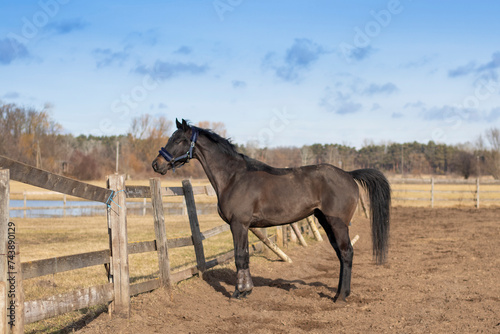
<point>52,209</point>
<point>49,209</point>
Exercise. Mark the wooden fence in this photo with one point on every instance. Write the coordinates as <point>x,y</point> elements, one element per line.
<point>118,289</point>
<point>475,195</point>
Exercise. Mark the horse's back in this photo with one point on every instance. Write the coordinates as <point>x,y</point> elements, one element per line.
<point>281,196</point>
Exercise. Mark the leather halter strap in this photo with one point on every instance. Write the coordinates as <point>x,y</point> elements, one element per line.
<point>183,158</point>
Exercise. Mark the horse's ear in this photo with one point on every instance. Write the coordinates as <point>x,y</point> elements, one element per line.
<point>185,126</point>
<point>179,125</point>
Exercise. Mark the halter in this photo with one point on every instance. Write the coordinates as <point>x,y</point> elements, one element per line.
<point>183,159</point>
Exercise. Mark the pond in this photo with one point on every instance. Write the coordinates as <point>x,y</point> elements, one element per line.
<point>51,209</point>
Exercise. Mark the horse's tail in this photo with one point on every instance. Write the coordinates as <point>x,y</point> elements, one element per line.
<point>379,191</point>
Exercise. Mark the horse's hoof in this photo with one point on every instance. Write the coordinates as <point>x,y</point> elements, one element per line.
<point>236,295</point>
<point>339,300</point>
<point>240,295</point>
<point>247,293</point>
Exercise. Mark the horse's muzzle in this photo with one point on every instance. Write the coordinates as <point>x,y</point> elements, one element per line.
<point>159,166</point>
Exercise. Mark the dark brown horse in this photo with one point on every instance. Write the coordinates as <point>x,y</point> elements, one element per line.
<point>253,194</point>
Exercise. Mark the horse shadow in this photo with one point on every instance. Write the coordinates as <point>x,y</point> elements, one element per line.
<point>218,279</point>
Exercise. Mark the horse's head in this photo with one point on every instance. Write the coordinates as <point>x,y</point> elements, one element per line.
<point>178,150</point>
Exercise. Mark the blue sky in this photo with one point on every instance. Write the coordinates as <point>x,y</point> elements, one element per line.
<point>277,73</point>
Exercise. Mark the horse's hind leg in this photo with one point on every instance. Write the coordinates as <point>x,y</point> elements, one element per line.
<point>244,284</point>
<point>338,234</point>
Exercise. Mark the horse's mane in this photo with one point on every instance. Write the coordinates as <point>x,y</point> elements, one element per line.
<point>227,147</point>
<point>224,144</point>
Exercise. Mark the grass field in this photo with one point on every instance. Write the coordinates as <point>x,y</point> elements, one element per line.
<point>42,238</point>
<point>51,237</point>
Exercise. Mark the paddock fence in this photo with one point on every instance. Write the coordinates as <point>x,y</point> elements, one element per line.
<point>15,312</point>
<point>445,192</point>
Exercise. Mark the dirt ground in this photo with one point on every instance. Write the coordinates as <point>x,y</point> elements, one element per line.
<point>443,276</point>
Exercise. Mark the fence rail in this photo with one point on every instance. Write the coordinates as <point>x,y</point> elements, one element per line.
<point>431,195</point>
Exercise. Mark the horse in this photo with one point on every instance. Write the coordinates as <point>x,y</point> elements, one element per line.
<point>251,194</point>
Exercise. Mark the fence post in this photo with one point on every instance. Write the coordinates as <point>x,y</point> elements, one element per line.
<point>286,231</point>
<point>161,234</point>
<point>271,245</point>
<point>4,226</point>
<point>279,236</point>
<point>195,226</point>
<point>265,250</point>
<point>117,223</point>
<point>314,228</point>
<point>296,229</point>
<point>432,192</point>
<point>477,193</point>
<point>293,236</point>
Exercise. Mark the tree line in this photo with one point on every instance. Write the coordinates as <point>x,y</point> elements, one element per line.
<point>32,137</point>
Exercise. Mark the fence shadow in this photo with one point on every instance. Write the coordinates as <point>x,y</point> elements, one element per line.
<point>218,278</point>
<point>88,315</point>
<point>135,279</point>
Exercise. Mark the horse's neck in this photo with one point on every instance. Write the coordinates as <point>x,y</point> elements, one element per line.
<point>220,167</point>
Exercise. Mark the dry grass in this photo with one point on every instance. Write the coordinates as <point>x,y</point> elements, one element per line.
<point>52,237</point>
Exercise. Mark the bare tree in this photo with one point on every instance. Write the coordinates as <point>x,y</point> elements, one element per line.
<point>146,135</point>
<point>28,135</point>
<point>217,127</point>
<point>332,155</point>
<point>465,160</point>
<point>492,156</point>
<point>493,136</point>
<point>306,155</point>
<point>252,148</point>
<point>140,126</point>
<point>147,127</point>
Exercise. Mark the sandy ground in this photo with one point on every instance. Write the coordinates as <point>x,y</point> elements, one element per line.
<point>443,276</point>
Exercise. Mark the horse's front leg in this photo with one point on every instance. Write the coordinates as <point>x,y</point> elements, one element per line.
<point>244,284</point>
